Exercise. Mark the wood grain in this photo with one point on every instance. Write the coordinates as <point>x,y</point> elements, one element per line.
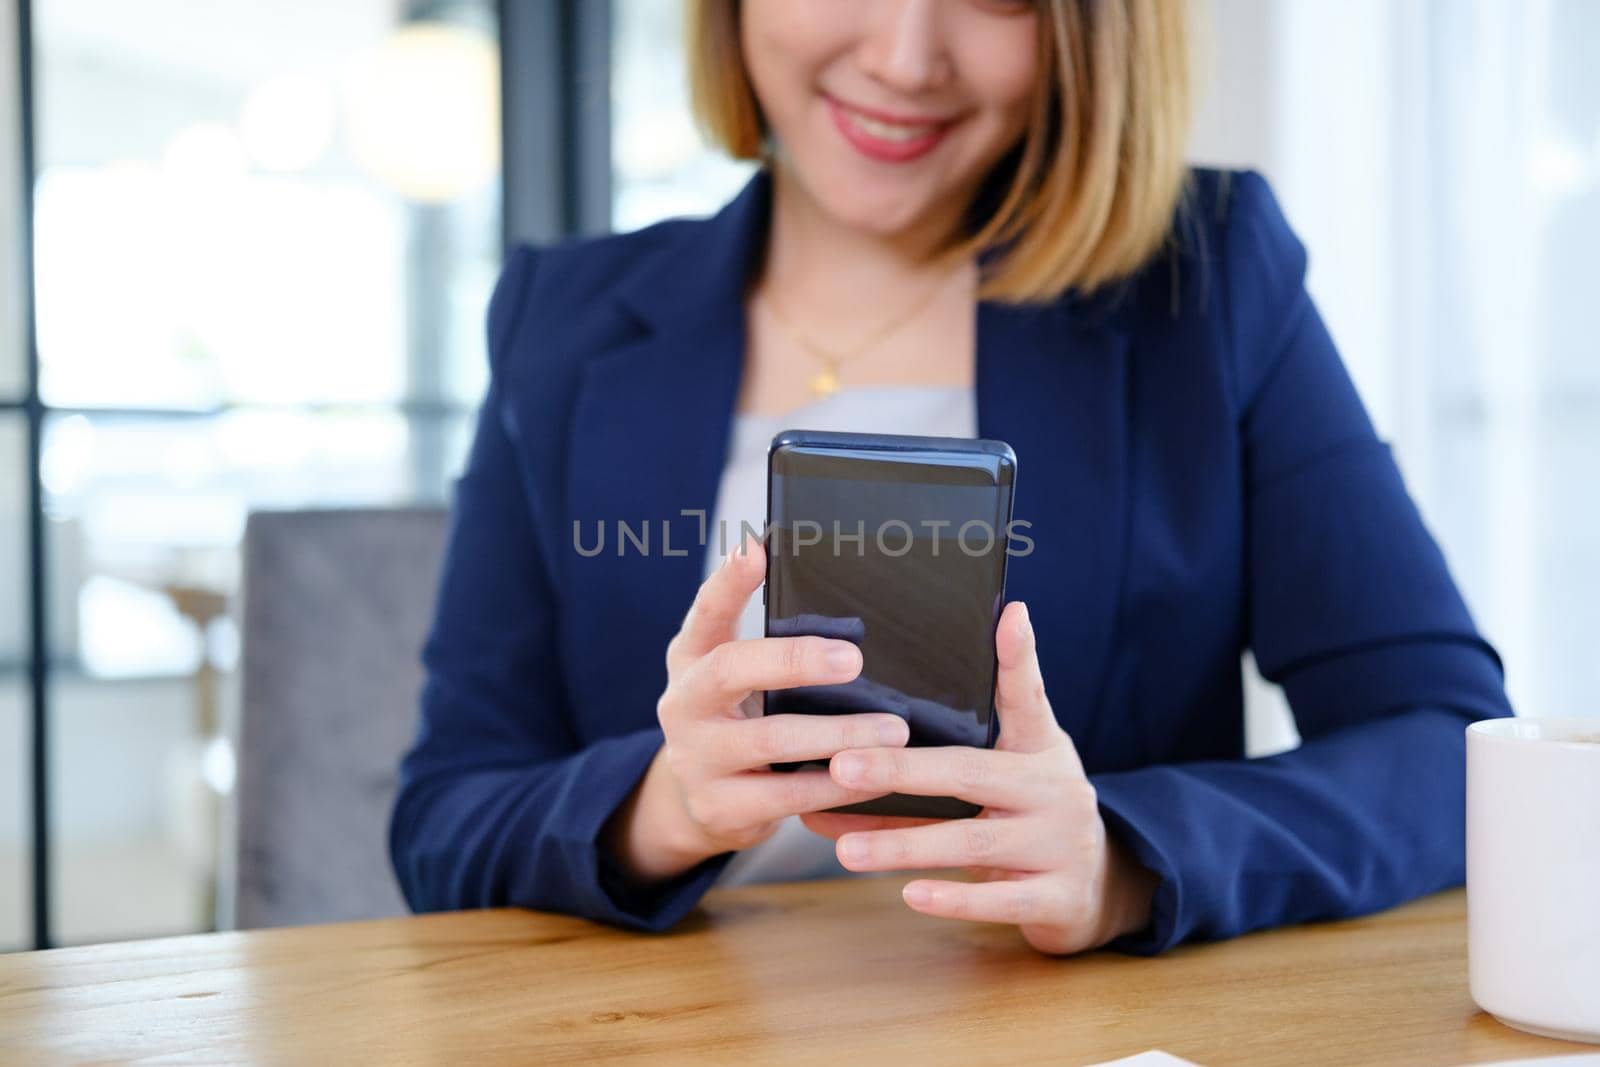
<point>821,972</point>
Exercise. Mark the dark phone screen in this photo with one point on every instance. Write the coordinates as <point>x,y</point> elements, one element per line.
<point>902,553</point>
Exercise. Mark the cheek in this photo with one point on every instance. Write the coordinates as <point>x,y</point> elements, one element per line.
<point>1001,72</point>
<point>1017,100</point>
<point>784,45</point>
<point>761,43</point>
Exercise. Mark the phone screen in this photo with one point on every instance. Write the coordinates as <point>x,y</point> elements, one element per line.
<point>902,552</point>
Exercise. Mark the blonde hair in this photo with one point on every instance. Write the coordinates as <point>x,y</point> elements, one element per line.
<point>1093,190</point>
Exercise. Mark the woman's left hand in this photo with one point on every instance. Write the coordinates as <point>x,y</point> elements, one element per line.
<point>1039,845</point>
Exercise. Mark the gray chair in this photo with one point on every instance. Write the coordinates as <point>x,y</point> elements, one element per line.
<point>336,605</point>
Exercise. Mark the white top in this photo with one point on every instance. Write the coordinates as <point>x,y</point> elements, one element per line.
<point>794,853</point>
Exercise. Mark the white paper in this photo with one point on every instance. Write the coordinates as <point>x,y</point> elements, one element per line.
<point>1152,1058</point>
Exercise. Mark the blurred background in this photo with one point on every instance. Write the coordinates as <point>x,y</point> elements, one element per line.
<point>257,238</point>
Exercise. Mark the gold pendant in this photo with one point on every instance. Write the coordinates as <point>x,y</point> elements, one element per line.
<point>825,382</point>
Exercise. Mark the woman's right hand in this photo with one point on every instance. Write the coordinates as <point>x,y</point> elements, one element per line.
<point>708,790</point>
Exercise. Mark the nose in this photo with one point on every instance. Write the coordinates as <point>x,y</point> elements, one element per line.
<point>903,46</point>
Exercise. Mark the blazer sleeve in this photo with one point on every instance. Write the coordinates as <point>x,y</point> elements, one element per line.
<point>1351,609</point>
<point>498,802</point>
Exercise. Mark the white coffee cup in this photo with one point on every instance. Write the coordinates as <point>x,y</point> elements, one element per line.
<point>1533,873</point>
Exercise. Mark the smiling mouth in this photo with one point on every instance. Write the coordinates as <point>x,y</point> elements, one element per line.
<point>885,137</point>
<point>891,127</point>
<point>892,131</point>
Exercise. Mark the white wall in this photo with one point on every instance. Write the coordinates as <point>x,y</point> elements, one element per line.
<point>1441,161</point>
<point>1331,156</point>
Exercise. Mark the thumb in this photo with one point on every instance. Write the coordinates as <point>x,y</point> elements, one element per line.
<point>714,616</point>
<point>1027,722</point>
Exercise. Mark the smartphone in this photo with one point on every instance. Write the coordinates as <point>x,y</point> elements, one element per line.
<point>899,545</point>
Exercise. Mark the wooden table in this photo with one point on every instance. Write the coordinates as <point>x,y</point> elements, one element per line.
<point>824,972</point>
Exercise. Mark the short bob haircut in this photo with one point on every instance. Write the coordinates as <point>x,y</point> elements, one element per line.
<point>1096,179</point>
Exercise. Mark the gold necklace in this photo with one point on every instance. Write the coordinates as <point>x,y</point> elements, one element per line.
<point>826,381</point>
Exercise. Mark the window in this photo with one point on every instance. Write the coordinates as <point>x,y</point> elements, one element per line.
<point>661,167</point>
<point>265,236</point>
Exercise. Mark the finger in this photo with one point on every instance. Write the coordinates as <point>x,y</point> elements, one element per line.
<point>1018,902</point>
<point>761,796</point>
<point>723,677</point>
<point>1002,843</point>
<point>713,617</point>
<point>831,824</point>
<point>1027,722</point>
<point>987,777</point>
<point>748,743</point>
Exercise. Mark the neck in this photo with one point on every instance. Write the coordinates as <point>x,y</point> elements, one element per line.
<point>833,266</point>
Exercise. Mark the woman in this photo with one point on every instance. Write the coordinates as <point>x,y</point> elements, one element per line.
<point>972,218</point>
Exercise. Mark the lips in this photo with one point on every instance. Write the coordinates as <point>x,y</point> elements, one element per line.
<point>886,138</point>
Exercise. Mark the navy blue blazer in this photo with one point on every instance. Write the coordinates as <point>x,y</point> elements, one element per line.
<point>1201,479</point>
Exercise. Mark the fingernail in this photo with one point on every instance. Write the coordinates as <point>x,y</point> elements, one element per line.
<point>852,849</point>
<point>916,894</point>
<point>849,767</point>
<point>891,733</point>
<point>842,656</point>
<point>1025,624</point>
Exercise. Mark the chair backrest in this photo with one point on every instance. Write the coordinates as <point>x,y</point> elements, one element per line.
<point>336,606</point>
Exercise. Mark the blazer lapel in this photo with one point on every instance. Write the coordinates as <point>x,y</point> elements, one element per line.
<point>650,429</point>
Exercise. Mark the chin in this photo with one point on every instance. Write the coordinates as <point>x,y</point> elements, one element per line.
<point>885,220</point>
<point>879,207</point>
